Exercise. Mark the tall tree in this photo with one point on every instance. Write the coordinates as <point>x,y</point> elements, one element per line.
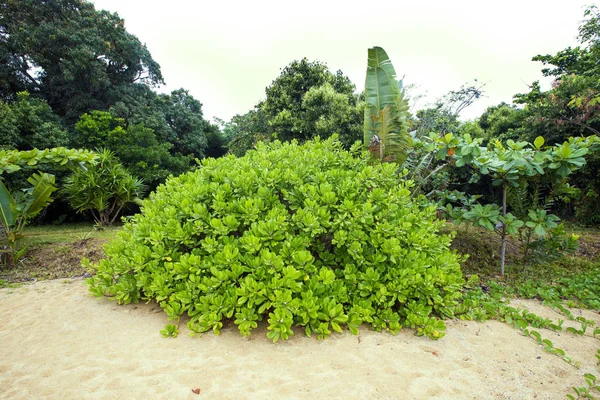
<point>504,121</point>
<point>72,55</point>
<point>571,107</point>
<point>176,118</point>
<point>245,130</point>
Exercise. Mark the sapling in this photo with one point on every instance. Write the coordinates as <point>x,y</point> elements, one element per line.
<point>532,170</point>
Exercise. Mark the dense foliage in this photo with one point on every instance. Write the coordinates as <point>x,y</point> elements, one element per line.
<point>570,108</point>
<point>29,123</point>
<point>62,62</point>
<point>175,118</point>
<point>531,177</point>
<point>309,235</point>
<point>14,160</point>
<point>17,208</point>
<point>305,101</point>
<point>75,57</point>
<point>245,130</point>
<point>306,98</point>
<point>136,146</point>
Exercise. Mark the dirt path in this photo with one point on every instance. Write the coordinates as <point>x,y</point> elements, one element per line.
<point>56,342</point>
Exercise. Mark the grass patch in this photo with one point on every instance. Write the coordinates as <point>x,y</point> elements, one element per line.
<point>39,236</point>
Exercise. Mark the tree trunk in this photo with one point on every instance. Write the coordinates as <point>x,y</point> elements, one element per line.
<point>503,250</point>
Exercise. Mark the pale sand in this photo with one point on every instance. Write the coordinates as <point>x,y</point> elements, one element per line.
<point>56,342</point>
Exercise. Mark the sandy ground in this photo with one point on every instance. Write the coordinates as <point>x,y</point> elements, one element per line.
<point>56,342</point>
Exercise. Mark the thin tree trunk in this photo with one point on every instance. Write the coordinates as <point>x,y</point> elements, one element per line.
<point>112,221</point>
<point>96,217</point>
<point>503,250</point>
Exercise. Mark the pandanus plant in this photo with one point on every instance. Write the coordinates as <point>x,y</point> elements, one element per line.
<point>386,113</point>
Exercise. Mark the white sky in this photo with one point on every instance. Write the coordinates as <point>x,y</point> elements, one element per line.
<point>226,52</point>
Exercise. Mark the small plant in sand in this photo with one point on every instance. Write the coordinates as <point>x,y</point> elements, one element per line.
<point>307,236</point>
<point>590,391</point>
<point>170,331</point>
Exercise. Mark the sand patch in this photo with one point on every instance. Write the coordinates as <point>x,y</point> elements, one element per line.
<point>58,343</point>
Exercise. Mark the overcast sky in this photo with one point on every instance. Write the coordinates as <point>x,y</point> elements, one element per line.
<point>226,52</point>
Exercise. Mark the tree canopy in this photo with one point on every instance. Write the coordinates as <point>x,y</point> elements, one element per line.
<point>135,145</point>
<point>308,100</point>
<point>29,123</point>
<point>75,57</point>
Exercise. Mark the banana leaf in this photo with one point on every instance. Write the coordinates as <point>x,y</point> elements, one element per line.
<point>386,113</point>
<point>7,207</point>
<point>381,88</point>
<point>41,193</point>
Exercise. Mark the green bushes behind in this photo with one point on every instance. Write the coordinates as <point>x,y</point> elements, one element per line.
<point>312,236</point>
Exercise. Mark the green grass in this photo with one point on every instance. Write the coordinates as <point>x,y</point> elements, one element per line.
<point>39,236</point>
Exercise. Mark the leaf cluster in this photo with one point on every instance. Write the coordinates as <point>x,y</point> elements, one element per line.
<point>15,160</point>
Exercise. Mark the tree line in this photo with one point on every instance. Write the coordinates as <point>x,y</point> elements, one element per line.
<point>72,76</point>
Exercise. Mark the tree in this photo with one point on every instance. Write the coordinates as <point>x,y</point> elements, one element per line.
<point>290,116</point>
<point>442,117</point>
<point>29,123</point>
<point>183,115</point>
<point>503,122</point>
<point>571,107</point>
<point>329,112</point>
<point>531,177</point>
<point>216,142</point>
<point>247,129</point>
<point>136,146</point>
<point>75,57</point>
<point>176,118</point>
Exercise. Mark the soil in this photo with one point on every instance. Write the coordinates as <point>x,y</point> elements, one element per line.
<point>61,260</point>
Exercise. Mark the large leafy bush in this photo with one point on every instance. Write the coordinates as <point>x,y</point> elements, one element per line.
<point>309,235</point>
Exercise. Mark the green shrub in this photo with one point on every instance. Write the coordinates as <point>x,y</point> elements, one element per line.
<point>104,189</point>
<point>309,235</point>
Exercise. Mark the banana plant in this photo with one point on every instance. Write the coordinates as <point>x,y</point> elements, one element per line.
<point>16,210</point>
<point>386,115</point>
